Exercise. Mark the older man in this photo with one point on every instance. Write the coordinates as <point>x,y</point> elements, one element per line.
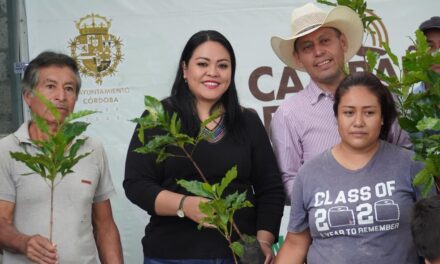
<point>304,125</point>
<point>83,220</point>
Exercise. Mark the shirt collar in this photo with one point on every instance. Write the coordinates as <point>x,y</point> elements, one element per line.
<point>315,94</point>
<point>22,133</point>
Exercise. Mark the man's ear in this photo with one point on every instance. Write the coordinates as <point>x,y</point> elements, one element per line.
<point>296,56</point>
<point>27,96</point>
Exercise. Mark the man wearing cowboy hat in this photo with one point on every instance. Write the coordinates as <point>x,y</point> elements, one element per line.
<point>304,125</point>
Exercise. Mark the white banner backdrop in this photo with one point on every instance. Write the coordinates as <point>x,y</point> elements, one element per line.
<point>137,44</point>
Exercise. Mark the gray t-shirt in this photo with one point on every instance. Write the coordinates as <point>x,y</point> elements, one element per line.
<point>360,216</point>
<point>73,198</point>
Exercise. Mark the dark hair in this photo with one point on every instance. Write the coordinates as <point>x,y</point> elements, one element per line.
<point>425,227</point>
<point>431,24</point>
<point>375,86</point>
<point>182,100</point>
<point>46,59</point>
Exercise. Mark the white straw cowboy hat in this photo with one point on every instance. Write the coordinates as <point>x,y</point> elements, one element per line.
<point>309,18</point>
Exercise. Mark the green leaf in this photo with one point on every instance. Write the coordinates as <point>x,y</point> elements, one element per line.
<point>428,186</point>
<point>51,157</point>
<point>215,114</point>
<point>241,202</point>
<point>420,177</point>
<point>425,177</point>
<point>72,130</point>
<point>184,139</point>
<point>40,123</point>
<point>50,106</point>
<point>156,144</point>
<point>147,122</point>
<point>372,58</point>
<point>421,42</point>
<point>79,114</point>
<point>428,123</point>
<point>237,248</point>
<point>208,188</point>
<point>173,124</point>
<point>154,107</point>
<point>68,164</point>
<point>370,19</point>
<point>326,2</point>
<point>75,147</point>
<point>27,159</point>
<point>408,125</point>
<point>194,187</point>
<point>141,135</point>
<point>229,177</point>
<point>392,56</point>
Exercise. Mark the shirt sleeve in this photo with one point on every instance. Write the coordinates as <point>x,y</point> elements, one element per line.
<point>298,221</point>
<point>287,147</point>
<point>399,137</point>
<point>7,186</point>
<point>105,188</point>
<point>266,180</point>
<point>142,174</point>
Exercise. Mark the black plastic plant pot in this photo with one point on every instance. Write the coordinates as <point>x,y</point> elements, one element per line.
<point>252,253</point>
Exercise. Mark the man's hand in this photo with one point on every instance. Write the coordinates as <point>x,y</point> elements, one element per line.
<point>39,250</point>
<point>36,248</point>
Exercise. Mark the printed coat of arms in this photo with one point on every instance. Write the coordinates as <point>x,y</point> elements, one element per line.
<point>97,52</point>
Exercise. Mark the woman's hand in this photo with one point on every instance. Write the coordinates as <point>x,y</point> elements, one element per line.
<point>192,211</point>
<point>266,239</point>
<point>167,204</point>
<point>266,247</point>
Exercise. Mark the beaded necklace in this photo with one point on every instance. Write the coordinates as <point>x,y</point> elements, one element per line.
<point>216,134</point>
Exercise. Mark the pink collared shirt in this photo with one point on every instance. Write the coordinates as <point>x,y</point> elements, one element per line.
<point>304,126</point>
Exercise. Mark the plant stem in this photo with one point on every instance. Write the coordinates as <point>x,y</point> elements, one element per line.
<point>206,181</point>
<point>195,165</point>
<point>237,230</point>
<point>51,210</point>
<point>233,254</point>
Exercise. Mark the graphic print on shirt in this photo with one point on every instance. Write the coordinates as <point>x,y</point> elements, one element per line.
<point>340,216</point>
<point>386,210</point>
<point>358,210</point>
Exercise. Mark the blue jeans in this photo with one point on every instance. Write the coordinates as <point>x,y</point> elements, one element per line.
<point>188,261</point>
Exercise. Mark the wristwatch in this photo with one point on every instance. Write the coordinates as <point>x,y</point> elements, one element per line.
<point>180,212</point>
